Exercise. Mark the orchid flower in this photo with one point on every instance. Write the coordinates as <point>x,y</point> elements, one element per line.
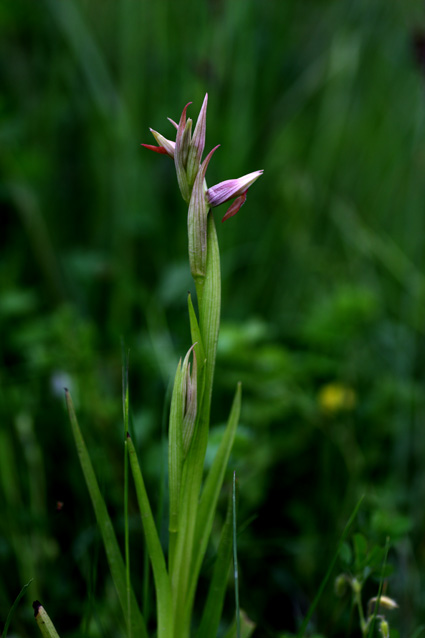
<point>229,189</point>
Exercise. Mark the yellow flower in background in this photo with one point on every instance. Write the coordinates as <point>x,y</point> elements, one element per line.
<point>336,397</point>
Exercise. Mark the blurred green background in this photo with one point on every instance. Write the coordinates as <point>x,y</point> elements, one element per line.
<point>323,287</point>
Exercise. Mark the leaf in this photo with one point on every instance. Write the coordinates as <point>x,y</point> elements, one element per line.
<point>235,559</point>
<point>175,460</point>
<point>345,554</point>
<point>360,551</point>
<point>44,623</point>
<point>247,627</point>
<point>162,582</point>
<point>211,491</point>
<point>214,606</point>
<point>113,554</point>
<point>13,608</point>
<point>181,569</point>
<point>375,557</point>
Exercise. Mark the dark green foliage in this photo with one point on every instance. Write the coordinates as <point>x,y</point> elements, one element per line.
<point>323,288</point>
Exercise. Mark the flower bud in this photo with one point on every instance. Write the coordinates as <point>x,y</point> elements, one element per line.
<point>385,602</point>
<point>384,628</point>
<point>197,144</point>
<point>190,400</point>
<point>340,585</point>
<point>181,152</point>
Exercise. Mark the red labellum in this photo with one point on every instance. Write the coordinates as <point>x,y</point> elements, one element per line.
<point>235,207</point>
<point>156,149</point>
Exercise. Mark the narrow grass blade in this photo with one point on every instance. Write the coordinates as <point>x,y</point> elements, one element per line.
<point>125,406</point>
<point>235,560</point>
<point>113,554</point>
<point>313,605</point>
<point>13,608</point>
<point>246,624</point>
<point>156,555</point>
<point>46,626</point>
<point>211,491</point>
<point>381,584</point>
<point>214,605</point>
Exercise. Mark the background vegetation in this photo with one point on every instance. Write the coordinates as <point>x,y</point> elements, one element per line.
<point>323,301</point>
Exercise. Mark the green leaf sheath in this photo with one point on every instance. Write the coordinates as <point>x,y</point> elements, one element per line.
<point>156,555</point>
<point>113,554</point>
<point>209,304</point>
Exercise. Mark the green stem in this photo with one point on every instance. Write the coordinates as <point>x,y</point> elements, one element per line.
<point>358,602</point>
<point>208,291</point>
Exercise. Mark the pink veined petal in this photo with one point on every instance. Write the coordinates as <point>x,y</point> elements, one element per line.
<point>235,207</point>
<point>156,149</point>
<point>231,188</point>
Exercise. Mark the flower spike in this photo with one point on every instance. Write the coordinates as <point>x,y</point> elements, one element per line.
<point>187,153</point>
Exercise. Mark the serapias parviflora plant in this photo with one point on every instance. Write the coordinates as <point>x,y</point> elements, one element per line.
<point>192,501</point>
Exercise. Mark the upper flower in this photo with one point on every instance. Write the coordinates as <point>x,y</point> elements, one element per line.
<point>229,189</point>
<point>186,150</point>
